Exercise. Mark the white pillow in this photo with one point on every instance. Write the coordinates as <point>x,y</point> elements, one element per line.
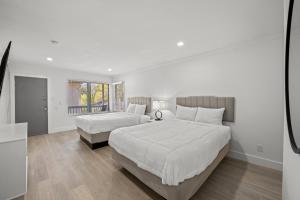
<point>210,115</point>
<point>140,109</point>
<point>131,108</point>
<point>186,113</point>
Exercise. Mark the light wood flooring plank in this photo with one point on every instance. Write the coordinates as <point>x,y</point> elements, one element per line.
<point>61,167</point>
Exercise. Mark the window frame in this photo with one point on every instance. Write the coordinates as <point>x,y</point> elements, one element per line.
<point>89,94</point>
<point>123,107</point>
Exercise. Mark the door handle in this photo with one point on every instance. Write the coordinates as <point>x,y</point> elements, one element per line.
<point>45,108</point>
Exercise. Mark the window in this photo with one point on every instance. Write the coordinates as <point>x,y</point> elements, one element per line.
<point>87,97</point>
<point>118,96</point>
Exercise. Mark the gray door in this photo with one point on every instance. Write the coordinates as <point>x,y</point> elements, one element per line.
<point>31,104</point>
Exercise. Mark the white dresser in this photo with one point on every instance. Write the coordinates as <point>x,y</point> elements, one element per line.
<point>13,160</point>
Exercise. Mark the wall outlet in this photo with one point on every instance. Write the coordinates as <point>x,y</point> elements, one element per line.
<point>259,148</point>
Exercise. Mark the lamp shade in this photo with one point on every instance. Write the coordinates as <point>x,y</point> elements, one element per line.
<point>159,105</point>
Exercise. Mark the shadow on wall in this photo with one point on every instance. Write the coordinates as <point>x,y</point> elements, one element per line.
<point>238,149</point>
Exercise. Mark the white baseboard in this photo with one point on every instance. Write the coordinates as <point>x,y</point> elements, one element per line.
<point>62,129</point>
<point>17,196</point>
<point>256,160</point>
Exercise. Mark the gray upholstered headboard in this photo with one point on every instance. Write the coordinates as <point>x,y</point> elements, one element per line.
<point>143,101</point>
<point>210,102</point>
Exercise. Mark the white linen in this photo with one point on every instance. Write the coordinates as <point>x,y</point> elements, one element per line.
<point>186,113</point>
<point>131,108</point>
<point>140,109</point>
<point>105,122</point>
<point>173,150</point>
<point>210,115</point>
<point>145,119</point>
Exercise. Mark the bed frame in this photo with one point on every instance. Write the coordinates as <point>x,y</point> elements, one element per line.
<point>95,141</point>
<point>183,191</point>
<point>189,187</point>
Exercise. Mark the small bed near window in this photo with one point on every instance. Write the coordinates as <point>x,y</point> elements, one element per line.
<point>94,129</point>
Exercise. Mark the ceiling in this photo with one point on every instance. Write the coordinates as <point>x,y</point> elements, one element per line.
<point>95,35</point>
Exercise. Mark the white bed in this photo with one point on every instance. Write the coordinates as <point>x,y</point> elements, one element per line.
<point>174,150</point>
<point>107,122</point>
<point>94,129</point>
<point>174,157</point>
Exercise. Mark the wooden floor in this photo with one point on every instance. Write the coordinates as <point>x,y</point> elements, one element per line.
<point>61,167</point>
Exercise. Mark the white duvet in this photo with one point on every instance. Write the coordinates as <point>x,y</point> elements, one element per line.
<point>173,150</point>
<point>97,123</point>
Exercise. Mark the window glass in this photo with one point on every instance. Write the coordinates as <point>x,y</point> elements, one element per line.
<point>87,97</point>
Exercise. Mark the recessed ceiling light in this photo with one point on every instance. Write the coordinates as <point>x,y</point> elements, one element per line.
<point>54,41</point>
<point>49,59</point>
<point>180,44</point>
<point>109,69</point>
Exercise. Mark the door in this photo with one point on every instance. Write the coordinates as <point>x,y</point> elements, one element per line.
<point>31,104</point>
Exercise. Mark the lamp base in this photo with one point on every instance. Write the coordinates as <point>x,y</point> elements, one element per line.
<point>158,115</point>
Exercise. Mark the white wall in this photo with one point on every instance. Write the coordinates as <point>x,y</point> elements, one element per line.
<point>251,72</point>
<point>5,100</point>
<point>291,161</point>
<point>58,120</point>
<point>291,166</point>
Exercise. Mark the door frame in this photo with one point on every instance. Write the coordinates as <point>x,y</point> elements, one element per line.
<point>12,95</point>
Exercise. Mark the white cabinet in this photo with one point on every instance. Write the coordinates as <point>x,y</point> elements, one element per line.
<point>13,160</point>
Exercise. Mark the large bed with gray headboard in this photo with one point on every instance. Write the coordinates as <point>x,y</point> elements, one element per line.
<point>174,157</point>
<point>94,129</point>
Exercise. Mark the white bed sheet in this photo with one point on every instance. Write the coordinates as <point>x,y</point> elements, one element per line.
<point>105,122</point>
<point>173,150</point>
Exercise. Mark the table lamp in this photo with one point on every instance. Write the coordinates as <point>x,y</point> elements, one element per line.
<point>158,106</point>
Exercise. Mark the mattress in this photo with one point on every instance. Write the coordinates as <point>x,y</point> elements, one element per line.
<point>174,150</point>
<point>107,122</point>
